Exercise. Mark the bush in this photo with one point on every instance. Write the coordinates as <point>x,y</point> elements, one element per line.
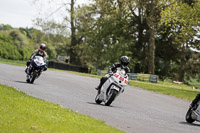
<point>8,50</point>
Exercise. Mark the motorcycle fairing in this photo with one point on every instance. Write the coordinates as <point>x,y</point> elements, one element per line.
<point>110,85</point>
<point>38,62</point>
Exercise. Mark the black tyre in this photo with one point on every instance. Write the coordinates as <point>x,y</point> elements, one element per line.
<point>28,80</point>
<point>188,117</point>
<point>97,98</point>
<point>111,97</point>
<point>33,77</point>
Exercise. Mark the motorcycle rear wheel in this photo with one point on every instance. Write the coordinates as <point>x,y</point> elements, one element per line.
<point>97,98</point>
<point>28,80</point>
<point>111,96</point>
<point>188,116</point>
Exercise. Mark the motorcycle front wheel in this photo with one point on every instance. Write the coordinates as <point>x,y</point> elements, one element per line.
<point>188,116</point>
<point>33,76</point>
<point>111,96</point>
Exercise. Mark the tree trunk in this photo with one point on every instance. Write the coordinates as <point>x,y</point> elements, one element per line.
<point>151,57</point>
<point>73,37</point>
<point>181,76</point>
<point>151,24</point>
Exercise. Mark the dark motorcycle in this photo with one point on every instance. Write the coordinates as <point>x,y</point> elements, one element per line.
<point>35,69</point>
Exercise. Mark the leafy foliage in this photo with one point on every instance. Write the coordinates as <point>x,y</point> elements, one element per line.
<point>20,43</point>
<point>183,19</point>
<point>8,49</point>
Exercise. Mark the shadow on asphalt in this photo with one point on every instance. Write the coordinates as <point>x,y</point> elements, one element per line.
<point>191,124</point>
<point>100,104</point>
<point>95,104</point>
<point>23,82</point>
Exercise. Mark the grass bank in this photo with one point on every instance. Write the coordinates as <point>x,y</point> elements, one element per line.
<point>22,113</point>
<point>13,62</point>
<point>179,91</point>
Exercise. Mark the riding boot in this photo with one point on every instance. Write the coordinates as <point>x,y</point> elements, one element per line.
<point>26,70</point>
<point>98,87</point>
<point>102,81</point>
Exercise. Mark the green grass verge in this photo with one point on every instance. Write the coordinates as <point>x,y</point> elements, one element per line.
<point>13,62</point>
<point>22,113</point>
<point>180,91</point>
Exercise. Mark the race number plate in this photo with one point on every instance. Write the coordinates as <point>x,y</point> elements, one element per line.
<point>116,88</point>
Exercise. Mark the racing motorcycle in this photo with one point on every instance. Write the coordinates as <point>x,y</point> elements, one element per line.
<point>113,86</point>
<point>35,69</point>
<point>193,113</point>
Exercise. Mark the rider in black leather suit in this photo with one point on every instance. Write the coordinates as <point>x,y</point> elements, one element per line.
<point>124,61</point>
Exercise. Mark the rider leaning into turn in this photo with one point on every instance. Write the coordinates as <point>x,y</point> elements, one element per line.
<point>124,61</point>
<point>38,52</point>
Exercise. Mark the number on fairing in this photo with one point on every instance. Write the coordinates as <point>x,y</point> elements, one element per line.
<point>116,75</point>
<point>121,78</point>
<point>116,88</point>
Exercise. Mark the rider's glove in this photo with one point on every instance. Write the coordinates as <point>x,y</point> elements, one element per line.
<point>110,72</point>
<point>28,63</point>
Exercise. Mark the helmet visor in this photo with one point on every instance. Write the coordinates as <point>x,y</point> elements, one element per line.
<point>42,48</point>
<point>125,63</point>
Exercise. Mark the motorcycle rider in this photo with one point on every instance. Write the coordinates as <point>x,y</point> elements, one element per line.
<point>38,52</point>
<point>197,98</point>
<point>124,61</point>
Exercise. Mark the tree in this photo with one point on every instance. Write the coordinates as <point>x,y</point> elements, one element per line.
<point>157,34</point>
<point>73,55</point>
<point>149,16</point>
<point>108,35</point>
<point>183,18</point>
<point>53,28</point>
<point>5,27</point>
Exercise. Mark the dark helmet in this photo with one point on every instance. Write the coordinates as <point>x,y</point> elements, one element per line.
<point>42,47</point>
<point>124,60</point>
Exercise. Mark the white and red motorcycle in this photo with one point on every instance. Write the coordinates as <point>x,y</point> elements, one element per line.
<point>113,86</point>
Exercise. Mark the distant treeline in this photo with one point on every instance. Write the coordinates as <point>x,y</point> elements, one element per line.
<point>19,43</point>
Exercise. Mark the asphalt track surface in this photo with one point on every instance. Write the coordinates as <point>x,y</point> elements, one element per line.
<point>134,111</point>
